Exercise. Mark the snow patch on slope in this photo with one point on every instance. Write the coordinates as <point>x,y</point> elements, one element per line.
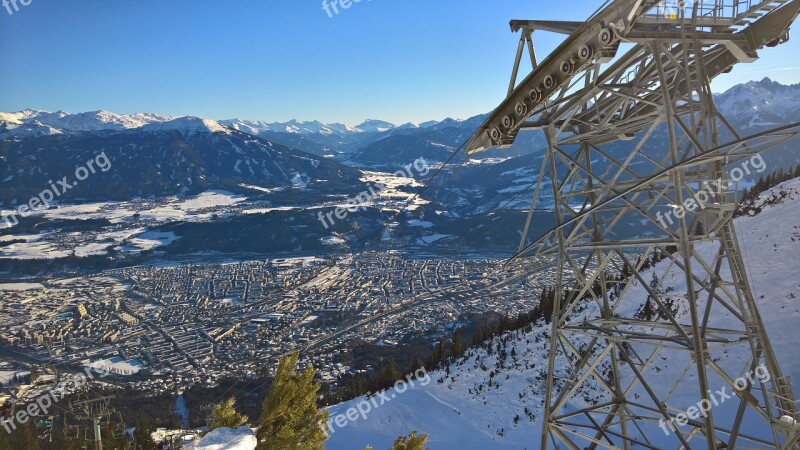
<point>241,438</point>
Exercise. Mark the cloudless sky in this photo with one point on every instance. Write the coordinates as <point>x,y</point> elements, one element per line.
<point>275,60</point>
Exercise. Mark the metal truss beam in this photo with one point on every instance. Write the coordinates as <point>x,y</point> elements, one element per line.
<point>639,361</point>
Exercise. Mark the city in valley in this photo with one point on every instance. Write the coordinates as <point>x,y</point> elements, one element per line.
<point>164,327</point>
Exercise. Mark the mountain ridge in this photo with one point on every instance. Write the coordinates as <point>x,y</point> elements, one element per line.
<point>107,120</point>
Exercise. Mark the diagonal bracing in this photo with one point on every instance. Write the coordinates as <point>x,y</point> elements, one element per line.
<point>648,348</point>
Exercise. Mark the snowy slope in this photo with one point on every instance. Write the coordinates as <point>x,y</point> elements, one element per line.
<point>86,121</point>
<point>227,439</point>
<point>187,125</point>
<point>292,126</point>
<point>33,122</point>
<point>760,104</point>
<point>471,409</point>
<point>374,126</point>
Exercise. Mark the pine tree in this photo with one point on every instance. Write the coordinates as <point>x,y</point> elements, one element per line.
<point>142,438</point>
<point>699,229</point>
<point>649,311</point>
<point>458,344</point>
<point>4,442</point>
<point>23,439</point>
<point>224,415</point>
<point>654,284</point>
<point>415,364</point>
<point>437,355</point>
<point>290,418</point>
<point>547,302</point>
<point>390,374</point>
<point>478,338</point>
<point>413,441</point>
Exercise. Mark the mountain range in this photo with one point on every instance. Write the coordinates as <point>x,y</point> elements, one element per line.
<point>749,105</point>
<point>311,165</point>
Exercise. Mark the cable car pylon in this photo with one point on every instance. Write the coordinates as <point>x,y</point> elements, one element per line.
<point>634,140</point>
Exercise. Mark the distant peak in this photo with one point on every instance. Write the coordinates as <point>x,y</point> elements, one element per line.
<point>188,123</point>
<point>375,126</point>
<point>375,121</point>
<point>32,111</point>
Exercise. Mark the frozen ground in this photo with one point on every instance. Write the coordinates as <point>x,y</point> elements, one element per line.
<point>227,439</point>
<point>128,235</point>
<point>135,223</point>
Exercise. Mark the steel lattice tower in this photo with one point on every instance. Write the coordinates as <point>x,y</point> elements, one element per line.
<point>586,95</point>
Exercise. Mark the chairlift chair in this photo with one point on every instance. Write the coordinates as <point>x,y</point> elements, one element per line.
<point>116,418</point>
<point>7,409</point>
<point>44,427</point>
<point>78,403</point>
<point>71,432</point>
<point>8,406</point>
<point>104,420</point>
<point>118,431</point>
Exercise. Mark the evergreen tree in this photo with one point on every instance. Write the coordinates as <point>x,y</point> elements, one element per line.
<point>654,284</point>
<point>415,364</point>
<point>437,355</point>
<point>547,303</point>
<point>699,229</point>
<point>390,374</point>
<point>224,415</point>
<point>4,442</point>
<point>290,418</point>
<point>412,442</point>
<point>458,344</point>
<point>23,439</point>
<point>478,338</point>
<point>142,438</point>
<point>648,311</point>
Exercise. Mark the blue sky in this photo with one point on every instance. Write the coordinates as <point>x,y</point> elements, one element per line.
<point>276,60</point>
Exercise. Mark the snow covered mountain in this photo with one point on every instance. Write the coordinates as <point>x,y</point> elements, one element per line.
<point>183,156</point>
<point>756,103</point>
<point>498,177</point>
<point>764,103</point>
<point>186,125</point>
<point>293,126</point>
<point>27,129</point>
<point>314,137</point>
<point>60,121</point>
<point>374,126</point>
<point>492,398</point>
